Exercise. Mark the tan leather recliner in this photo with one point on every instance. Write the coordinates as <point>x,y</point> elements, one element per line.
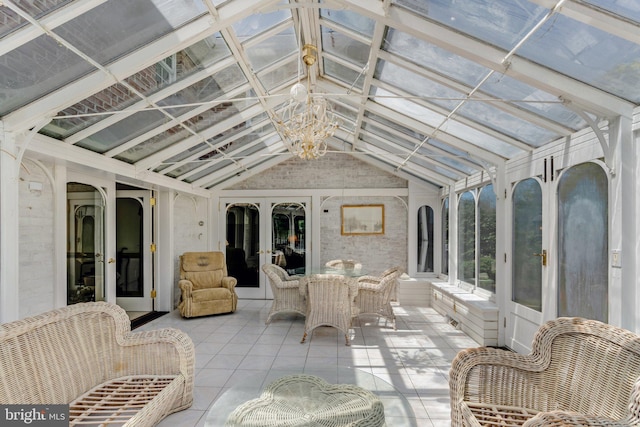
<point>206,287</point>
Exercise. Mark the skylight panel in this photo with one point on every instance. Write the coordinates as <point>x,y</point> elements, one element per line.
<point>10,21</point>
<point>352,20</point>
<point>114,29</point>
<point>500,23</point>
<point>272,49</point>
<point>508,124</point>
<point>275,77</point>
<point>629,9</point>
<point>532,99</point>
<point>258,23</point>
<point>124,130</point>
<point>419,86</point>
<point>198,123</point>
<point>344,47</point>
<point>25,76</point>
<point>434,58</point>
<point>407,107</point>
<point>588,54</point>
<point>346,75</point>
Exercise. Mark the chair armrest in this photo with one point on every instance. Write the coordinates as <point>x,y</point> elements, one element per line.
<point>489,376</point>
<point>229,282</point>
<point>166,351</point>
<point>568,419</point>
<point>368,279</point>
<point>288,284</point>
<point>186,287</point>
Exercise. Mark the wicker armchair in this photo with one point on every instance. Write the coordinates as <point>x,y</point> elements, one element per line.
<point>375,294</point>
<point>205,285</point>
<point>286,292</point>
<point>579,372</point>
<point>344,264</point>
<point>329,303</point>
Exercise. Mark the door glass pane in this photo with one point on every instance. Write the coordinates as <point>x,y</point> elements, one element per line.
<point>487,237</point>
<point>582,243</point>
<point>129,238</point>
<point>85,244</point>
<point>288,237</point>
<point>527,241</point>
<point>425,239</point>
<point>467,238</point>
<point>445,236</point>
<point>243,243</point>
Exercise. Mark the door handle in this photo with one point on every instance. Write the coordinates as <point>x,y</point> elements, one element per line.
<point>111,261</point>
<point>543,255</point>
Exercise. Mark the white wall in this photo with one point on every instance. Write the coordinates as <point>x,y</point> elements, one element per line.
<point>36,246</point>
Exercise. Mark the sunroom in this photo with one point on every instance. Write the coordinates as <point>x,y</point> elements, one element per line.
<point>497,142</point>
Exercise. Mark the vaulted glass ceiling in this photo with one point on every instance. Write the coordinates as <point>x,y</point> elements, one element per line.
<point>433,90</point>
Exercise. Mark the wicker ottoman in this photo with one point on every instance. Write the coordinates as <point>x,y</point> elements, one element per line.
<point>306,400</point>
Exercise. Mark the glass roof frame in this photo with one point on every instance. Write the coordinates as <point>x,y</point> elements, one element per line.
<point>345,70</point>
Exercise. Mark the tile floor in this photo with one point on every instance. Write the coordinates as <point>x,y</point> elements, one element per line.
<point>415,358</point>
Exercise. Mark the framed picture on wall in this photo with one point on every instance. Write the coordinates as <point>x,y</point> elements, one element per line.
<point>362,219</point>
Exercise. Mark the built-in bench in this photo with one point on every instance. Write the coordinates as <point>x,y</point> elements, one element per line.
<point>471,313</point>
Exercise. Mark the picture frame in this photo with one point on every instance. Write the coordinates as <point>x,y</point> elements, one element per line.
<point>362,220</point>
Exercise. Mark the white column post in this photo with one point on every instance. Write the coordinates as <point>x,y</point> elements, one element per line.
<point>9,227</point>
<point>453,235</point>
<point>625,225</point>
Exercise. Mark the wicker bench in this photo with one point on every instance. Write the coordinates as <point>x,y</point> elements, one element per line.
<point>579,372</point>
<point>86,356</point>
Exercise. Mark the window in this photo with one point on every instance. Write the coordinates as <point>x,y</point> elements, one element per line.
<point>166,70</point>
<point>582,243</point>
<point>487,239</point>
<point>527,240</point>
<point>425,239</point>
<point>467,237</point>
<point>445,236</point>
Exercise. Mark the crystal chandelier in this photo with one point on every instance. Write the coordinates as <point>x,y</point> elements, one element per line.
<point>307,121</point>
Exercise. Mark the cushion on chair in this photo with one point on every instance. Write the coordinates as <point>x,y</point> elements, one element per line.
<point>209,294</point>
<point>201,261</point>
<point>204,279</point>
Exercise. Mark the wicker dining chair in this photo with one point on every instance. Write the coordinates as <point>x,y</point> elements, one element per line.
<point>286,292</point>
<point>375,294</point>
<point>330,298</point>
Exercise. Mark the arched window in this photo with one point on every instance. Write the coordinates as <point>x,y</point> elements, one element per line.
<point>445,237</point>
<point>583,242</point>
<point>467,237</point>
<point>487,239</point>
<point>526,280</point>
<point>425,239</point>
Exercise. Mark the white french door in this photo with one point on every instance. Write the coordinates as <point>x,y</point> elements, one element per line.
<point>134,257</point>
<point>258,231</point>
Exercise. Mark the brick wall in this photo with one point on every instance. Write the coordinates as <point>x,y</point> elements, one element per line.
<point>36,243</point>
<point>337,171</point>
<point>188,234</point>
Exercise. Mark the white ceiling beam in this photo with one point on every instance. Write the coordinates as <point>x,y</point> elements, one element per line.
<point>42,145</point>
<point>590,15</point>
